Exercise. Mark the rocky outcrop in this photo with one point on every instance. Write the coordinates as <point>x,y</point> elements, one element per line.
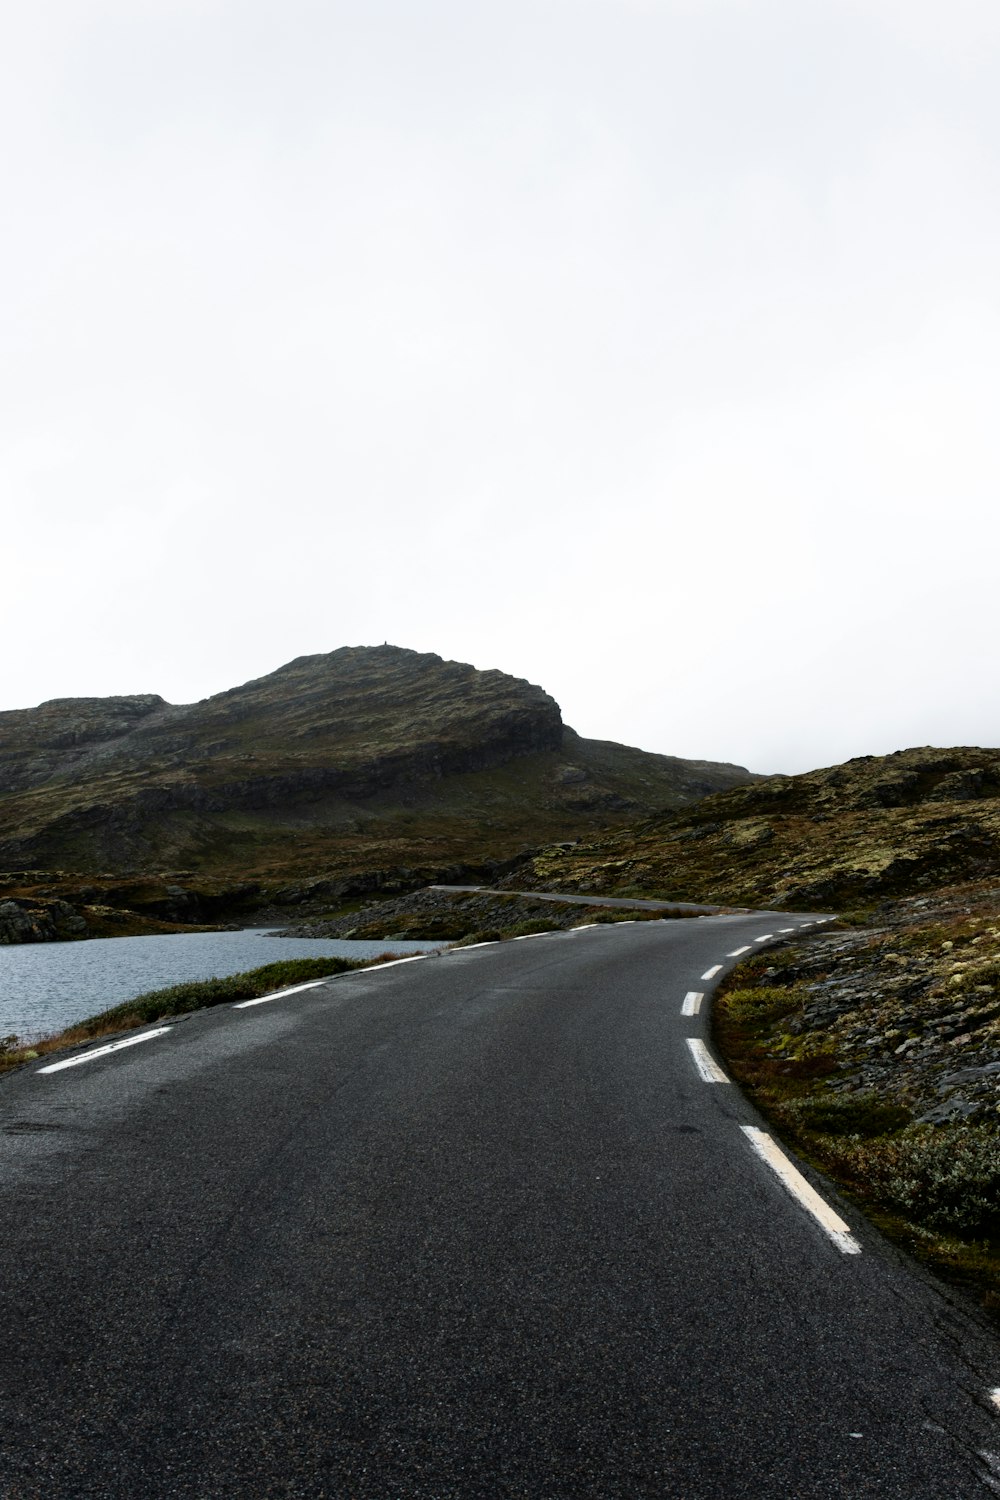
<point>57,737</point>
<point>39,922</point>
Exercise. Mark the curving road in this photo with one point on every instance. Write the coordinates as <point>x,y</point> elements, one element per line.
<point>479,1225</point>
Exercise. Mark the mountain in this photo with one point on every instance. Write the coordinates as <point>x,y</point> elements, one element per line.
<point>372,762</point>
<point>873,829</point>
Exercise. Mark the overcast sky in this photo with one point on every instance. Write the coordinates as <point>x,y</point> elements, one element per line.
<point>647,349</point>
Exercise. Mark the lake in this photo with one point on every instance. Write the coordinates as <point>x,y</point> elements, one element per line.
<point>45,987</point>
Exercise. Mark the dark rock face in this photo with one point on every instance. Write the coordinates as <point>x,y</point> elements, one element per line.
<point>39,922</point>
<point>37,744</point>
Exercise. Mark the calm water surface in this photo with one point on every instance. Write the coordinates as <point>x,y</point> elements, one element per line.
<point>47,986</point>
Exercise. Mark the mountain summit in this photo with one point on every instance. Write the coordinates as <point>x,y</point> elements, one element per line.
<point>363,758</point>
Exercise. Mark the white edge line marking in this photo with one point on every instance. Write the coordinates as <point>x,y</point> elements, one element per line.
<point>711,973</point>
<point>491,943</point>
<point>375,968</point>
<point>129,1041</point>
<point>585,927</point>
<point>737,951</point>
<point>995,1396</point>
<point>708,1069</point>
<point>692,1003</point>
<point>831,1224</point>
<point>522,937</point>
<point>293,989</point>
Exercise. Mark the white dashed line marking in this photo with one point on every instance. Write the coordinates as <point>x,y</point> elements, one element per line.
<point>296,989</point>
<point>692,1003</point>
<point>293,989</point>
<point>737,951</point>
<point>708,1069</point>
<point>786,929</point>
<point>765,939</point>
<point>711,973</point>
<point>129,1041</point>
<point>831,1224</point>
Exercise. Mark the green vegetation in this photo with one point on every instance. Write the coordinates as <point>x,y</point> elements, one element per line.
<point>197,994</point>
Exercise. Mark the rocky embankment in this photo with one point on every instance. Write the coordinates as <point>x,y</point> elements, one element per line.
<point>449,916</point>
<point>55,921</point>
<point>877,1051</point>
<point>41,906</point>
<point>909,1012</point>
<point>33,922</point>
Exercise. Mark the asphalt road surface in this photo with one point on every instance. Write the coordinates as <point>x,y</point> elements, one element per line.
<point>477,1225</point>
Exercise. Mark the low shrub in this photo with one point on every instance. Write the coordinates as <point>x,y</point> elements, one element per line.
<point>197,994</point>
<point>850,1115</point>
<point>948,1180</point>
<point>756,1006</point>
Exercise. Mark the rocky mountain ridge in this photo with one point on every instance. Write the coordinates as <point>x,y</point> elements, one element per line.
<point>364,764</point>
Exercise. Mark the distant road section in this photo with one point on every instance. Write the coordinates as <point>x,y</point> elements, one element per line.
<point>493,1223</point>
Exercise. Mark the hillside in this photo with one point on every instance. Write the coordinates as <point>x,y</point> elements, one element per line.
<point>359,769</point>
<point>852,835</point>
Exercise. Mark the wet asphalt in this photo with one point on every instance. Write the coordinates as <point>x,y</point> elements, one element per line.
<point>471,1226</point>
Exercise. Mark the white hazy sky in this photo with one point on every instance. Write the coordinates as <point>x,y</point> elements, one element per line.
<point>647,349</point>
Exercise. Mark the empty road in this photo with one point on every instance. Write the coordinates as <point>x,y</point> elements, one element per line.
<point>483,1224</point>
